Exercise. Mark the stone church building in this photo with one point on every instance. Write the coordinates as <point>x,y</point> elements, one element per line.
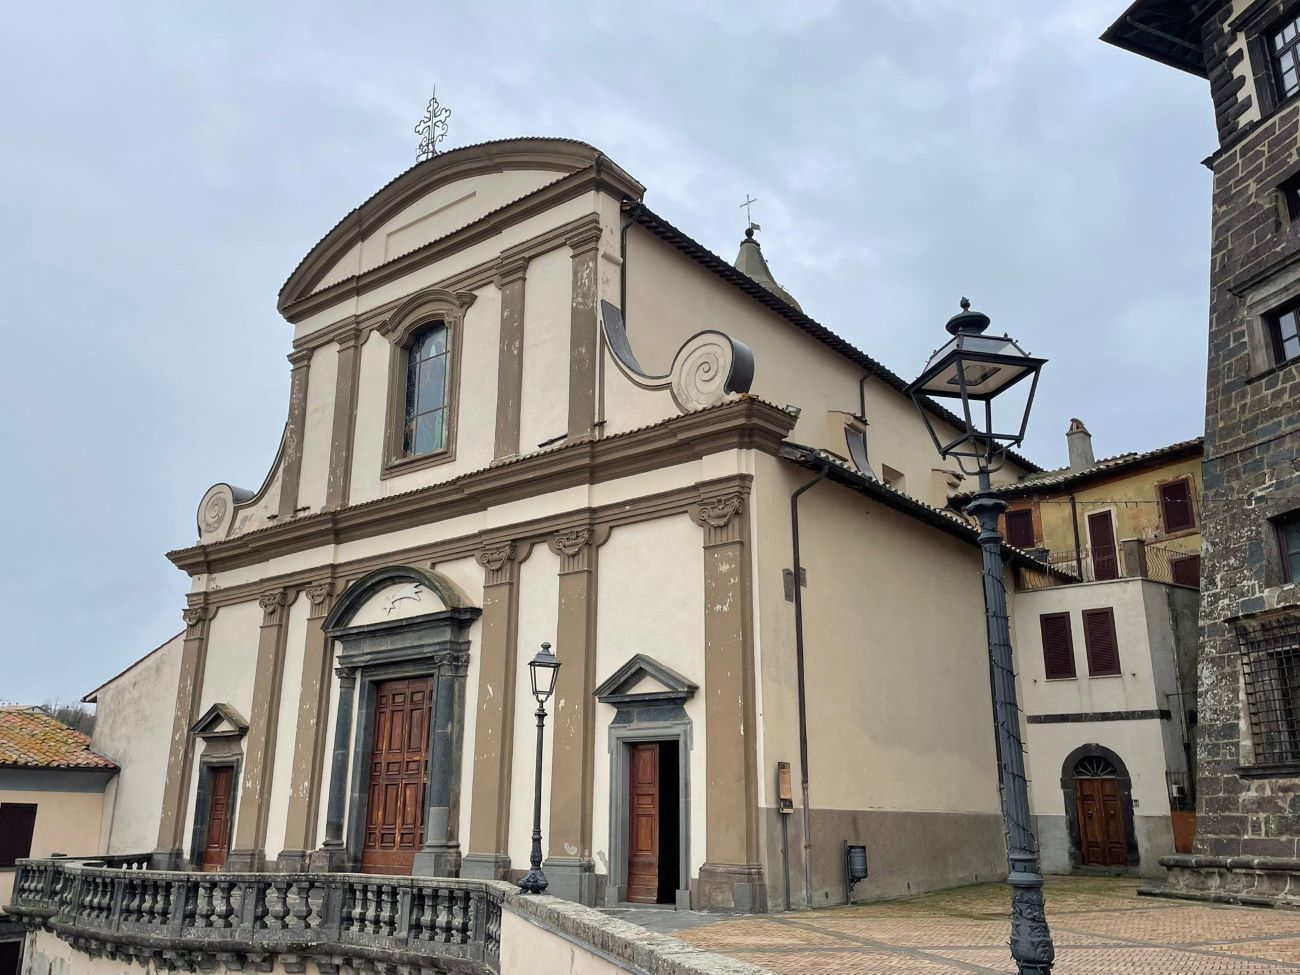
<point>523,407</point>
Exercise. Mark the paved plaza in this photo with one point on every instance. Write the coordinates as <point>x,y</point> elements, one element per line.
<point>1100,925</point>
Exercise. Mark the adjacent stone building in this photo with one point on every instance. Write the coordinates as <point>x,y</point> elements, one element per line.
<point>1248,828</point>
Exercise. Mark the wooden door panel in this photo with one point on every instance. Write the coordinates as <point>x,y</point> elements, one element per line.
<point>1116,841</point>
<point>398,776</point>
<point>214,851</point>
<point>1103,839</point>
<point>643,824</point>
<point>1105,554</point>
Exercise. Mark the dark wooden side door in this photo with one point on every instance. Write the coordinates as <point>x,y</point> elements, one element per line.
<point>1101,536</point>
<point>399,755</point>
<point>1101,823</point>
<point>643,824</point>
<point>214,850</point>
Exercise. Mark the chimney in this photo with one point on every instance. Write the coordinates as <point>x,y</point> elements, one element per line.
<point>1080,443</point>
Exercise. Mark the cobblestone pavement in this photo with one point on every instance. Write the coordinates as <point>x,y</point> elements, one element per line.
<point>1100,926</point>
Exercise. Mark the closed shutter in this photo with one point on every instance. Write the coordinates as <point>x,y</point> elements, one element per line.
<point>1187,571</point>
<point>1020,528</point>
<point>1099,639</point>
<point>1176,506</point>
<point>1058,646</point>
<point>17,820</point>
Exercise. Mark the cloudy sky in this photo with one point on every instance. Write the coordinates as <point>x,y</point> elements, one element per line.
<point>166,165</point>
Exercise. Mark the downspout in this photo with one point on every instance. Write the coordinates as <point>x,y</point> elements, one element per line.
<point>1078,551</point>
<point>799,670</point>
<point>628,220</point>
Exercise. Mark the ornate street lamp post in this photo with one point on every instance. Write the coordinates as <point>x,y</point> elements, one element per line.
<point>975,368</point>
<point>542,669</point>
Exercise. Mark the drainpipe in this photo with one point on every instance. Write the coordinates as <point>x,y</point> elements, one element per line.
<point>799,670</point>
<point>628,219</point>
<point>1078,550</point>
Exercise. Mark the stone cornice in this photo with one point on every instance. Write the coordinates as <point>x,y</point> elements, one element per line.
<point>744,424</point>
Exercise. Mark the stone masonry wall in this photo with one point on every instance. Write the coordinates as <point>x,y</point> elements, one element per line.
<point>1252,469</point>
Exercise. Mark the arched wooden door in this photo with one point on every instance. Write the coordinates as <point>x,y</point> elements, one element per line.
<point>1102,830</point>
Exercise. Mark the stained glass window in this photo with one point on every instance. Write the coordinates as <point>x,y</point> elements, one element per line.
<point>426,392</point>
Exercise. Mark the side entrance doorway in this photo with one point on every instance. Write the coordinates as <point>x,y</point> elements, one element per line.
<point>653,826</point>
<point>399,776</point>
<point>219,807</point>
<point>1099,809</point>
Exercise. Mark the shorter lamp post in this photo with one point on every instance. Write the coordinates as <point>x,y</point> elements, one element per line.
<point>974,368</point>
<point>542,669</point>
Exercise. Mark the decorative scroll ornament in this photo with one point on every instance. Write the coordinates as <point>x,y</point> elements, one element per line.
<point>214,511</point>
<point>407,592</point>
<point>495,557</point>
<point>571,543</point>
<point>194,615</point>
<point>319,593</point>
<point>273,602</point>
<point>432,128</point>
<point>718,512</point>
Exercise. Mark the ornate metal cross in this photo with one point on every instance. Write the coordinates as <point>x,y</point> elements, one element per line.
<point>432,128</point>
<point>749,217</point>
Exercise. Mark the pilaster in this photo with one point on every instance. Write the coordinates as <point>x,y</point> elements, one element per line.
<point>291,461</point>
<point>488,857</point>
<point>345,411</point>
<point>731,877</point>
<point>569,866</point>
<point>306,773</point>
<point>510,364</point>
<point>248,851</point>
<point>170,853</point>
<point>584,344</point>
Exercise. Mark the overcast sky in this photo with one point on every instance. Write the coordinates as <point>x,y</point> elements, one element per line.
<point>166,165</point>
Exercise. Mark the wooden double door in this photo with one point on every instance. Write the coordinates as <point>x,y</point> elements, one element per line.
<point>1103,836</point>
<point>653,862</point>
<point>221,793</point>
<point>399,775</point>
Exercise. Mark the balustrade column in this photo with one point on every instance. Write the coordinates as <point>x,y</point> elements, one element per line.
<point>332,854</point>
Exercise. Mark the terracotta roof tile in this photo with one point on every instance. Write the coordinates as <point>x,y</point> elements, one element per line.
<point>30,738</point>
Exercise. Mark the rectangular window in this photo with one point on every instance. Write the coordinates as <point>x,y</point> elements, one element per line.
<point>1285,52</point>
<point>1270,667</point>
<point>1100,643</point>
<point>1290,190</point>
<point>1284,328</point>
<point>17,821</point>
<point>1288,537</point>
<point>1020,528</point>
<point>1186,571</point>
<point>1058,646</point>
<point>1176,505</point>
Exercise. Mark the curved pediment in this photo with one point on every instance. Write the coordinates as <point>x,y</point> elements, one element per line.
<point>450,190</point>
<point>394,593</point>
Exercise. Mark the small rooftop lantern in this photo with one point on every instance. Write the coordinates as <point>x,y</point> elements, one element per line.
<point>974,368</point>
<point>543,669</point>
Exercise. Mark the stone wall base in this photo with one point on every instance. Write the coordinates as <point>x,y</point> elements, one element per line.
<point>1257,881</point>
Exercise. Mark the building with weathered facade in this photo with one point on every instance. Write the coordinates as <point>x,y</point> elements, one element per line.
<point>1248,826</point>
<point>1106,636</point>
<point>524,408</point>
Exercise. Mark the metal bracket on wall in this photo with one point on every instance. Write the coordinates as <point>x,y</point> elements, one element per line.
<point>787,580</point>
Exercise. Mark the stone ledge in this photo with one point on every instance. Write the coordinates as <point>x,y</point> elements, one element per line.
<point>1251,881</point>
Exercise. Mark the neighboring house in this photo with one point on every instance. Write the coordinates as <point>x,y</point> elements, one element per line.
<point>51,801</point>
<point>525,408</point>
<point>132,730</point>
<point>1248,834</point>
<point>1106,637</point>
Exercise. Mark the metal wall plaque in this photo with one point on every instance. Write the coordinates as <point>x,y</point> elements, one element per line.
<point>784,791</point>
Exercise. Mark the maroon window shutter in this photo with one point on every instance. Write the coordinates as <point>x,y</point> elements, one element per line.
<point>17,821</point>
<point>1058,646</point>
<point>1099,639</point>
<point>1187,570</point>
<point>1020,528</point>
<point>1176,506</point>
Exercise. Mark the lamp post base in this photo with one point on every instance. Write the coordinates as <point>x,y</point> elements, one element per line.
<point>534,882</point>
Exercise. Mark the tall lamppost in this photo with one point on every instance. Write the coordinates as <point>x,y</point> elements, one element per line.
<point>975,368</point>
<point>542,670</point>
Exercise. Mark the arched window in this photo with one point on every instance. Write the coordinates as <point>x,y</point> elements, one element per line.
<point>1094,767</point>
<point>425,419</point>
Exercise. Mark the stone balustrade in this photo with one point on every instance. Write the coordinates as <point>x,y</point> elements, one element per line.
<point>115,907</point>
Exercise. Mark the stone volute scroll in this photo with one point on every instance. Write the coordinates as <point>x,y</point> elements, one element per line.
<point>709,368</point>
<point>719,517</point>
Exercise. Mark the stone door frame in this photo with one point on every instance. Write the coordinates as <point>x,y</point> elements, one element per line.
<point>1073,828</point>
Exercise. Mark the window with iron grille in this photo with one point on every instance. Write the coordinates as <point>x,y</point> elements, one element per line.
<point>1058,646</point>
<point>1176,505</point>
<point>17,822</point>
<point>1020,528</point>
<point>1099,640</point>
<point>1270,666</point>
<point>1288,539</point>
<point>1284,328</point>
<point>1290,190</point>
<point>1284,49</point>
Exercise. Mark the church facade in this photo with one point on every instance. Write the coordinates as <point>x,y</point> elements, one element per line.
<point>523,407</point>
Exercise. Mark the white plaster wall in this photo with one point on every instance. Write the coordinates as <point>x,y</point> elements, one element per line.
<point>527,949</point>
<point>660,614</point>
<point>133,719</point>
<point>397,602</point>
<point>1139,743</point>
<point>295,638</point>
<point>539,596</point>
<point>368,432</point>
<point>544,408</point>
<point>318,427</point>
